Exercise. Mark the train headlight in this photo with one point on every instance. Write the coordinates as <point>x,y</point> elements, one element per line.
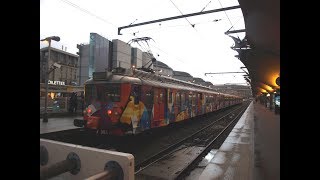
<point>109,112</point>
<point>87,112</point>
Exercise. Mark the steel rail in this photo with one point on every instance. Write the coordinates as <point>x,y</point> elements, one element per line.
<point>180,174</point>
<point>165,152</point>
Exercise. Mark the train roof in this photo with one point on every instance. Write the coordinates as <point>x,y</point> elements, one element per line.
<point>115,79</point>
<point>147,78</point>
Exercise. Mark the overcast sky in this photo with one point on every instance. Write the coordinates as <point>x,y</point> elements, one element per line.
<point>197,50</point>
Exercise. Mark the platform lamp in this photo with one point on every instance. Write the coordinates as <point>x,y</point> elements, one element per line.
<point>55,38</point>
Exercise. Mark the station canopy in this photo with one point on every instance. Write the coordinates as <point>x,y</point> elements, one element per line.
<point>262,58</point>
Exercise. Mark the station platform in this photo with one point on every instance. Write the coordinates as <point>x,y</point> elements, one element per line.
<point>58,124</point>
<point>250,152</point>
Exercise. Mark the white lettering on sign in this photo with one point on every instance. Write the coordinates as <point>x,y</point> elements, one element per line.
<point>56,82</point>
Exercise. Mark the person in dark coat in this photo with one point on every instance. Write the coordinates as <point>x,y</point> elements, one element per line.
<point>70,103</point>
<point>82,103</point>
<point>73,102</point>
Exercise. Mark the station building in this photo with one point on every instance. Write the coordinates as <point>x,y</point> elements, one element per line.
<point>62,81</point>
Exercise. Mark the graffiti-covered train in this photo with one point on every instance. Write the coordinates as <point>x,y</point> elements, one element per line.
<point>129,101</point>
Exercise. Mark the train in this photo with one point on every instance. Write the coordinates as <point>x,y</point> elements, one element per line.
<point>130,101</point>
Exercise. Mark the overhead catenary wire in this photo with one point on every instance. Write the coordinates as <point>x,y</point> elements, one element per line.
<point>225,13</point>
<point>167,53</point>
<point>232,26</point>
<point>100,18</point>
<point>143,48</point>
<point>182,13</point>
<point>88,12</point>
<point>164,28</point>
<point>235,23</point>
<point>142,44</point>
<point>185,18</point>
<point>205,6</point>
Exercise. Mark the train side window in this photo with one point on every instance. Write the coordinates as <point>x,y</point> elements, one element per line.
<point>149,97</point>
<point>178,98</point>
<point>136,100</point>
<point>161,98</point>
<point>183,98</point>
<point>156,96</point>
<point>136,94</point>
<point>170,97</point>
<point>111,93</point>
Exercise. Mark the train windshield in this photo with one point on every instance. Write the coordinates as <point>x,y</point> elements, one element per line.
<point>102,93</point>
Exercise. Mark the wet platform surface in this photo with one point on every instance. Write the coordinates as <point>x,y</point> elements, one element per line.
<point>58,124</point>
<point>250,152</point>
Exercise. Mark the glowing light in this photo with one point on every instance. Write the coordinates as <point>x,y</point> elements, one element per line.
<point>273,78</point>
<point>262,90</point>
<point>45,42</point>
<point>52,95</point>
<point>267,87</point>
<point>109,112</point>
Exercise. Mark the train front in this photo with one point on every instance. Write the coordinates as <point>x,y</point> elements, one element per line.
<point>103,108</point>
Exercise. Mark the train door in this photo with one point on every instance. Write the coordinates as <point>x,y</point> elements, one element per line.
<point>137,109</point>
<point>198,102</point>
<point>162,103</point>
<point>221,101</point>
<point>159,107</point>
<point>147,97</point>
<point>192,104</point>
<point>189,104</point>
<point>177,104</point>
<point>184,105</point>
<point>218,102</point>
<point>215,102</point>
<point>170,105</point>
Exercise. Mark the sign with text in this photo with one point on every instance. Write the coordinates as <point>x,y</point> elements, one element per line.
<point>56,82</point>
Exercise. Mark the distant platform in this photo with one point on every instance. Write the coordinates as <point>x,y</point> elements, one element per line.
<point>58,124</point>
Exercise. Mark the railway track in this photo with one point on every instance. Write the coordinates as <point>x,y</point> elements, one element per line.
<point>176,161</point>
